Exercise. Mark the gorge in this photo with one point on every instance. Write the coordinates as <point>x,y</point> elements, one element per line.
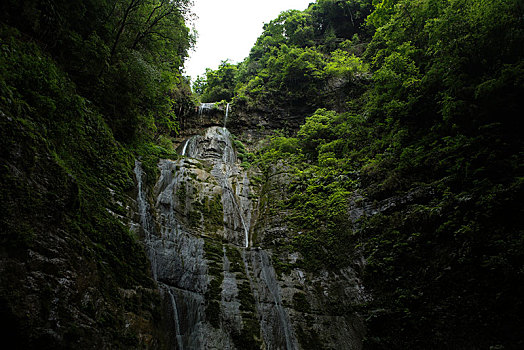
<point>208,254</point>
<point>356,182</point>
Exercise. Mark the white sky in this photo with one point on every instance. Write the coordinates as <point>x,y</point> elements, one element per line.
<point>227,29</point>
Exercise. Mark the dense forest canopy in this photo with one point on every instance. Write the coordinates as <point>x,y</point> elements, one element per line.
<point>298,50</point>
<point>417,102</point>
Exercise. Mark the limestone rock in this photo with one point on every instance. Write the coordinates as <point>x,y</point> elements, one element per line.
<point>210,234</point>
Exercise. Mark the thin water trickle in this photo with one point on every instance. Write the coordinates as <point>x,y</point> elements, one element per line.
<point>185,147</point>
<point>176,318</point>
<point>227,113</point>
<point>277,328</point>
<point>181,270</point>
<point>204,107</point>
<point>216,148</point>
<point>237,208</point>
<point>268,276</point>
<point>167,245</point>
<point>145,217</point>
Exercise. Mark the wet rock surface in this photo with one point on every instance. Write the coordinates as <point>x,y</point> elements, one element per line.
<point>321,305</point>
<point>210,234</point>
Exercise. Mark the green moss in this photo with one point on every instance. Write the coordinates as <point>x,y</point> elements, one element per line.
<point>246,298</point>
<point>281,267</point>
<point>249,337</point>
<point>194,218</point>
<point>181,194</point>
<point>212,213</point>
<point>149,155</point>
<point>235,259</point>
<point>213,254</point>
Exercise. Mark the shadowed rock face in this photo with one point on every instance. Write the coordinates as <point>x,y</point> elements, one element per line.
<point>251,124</point>
<point>200,223</point>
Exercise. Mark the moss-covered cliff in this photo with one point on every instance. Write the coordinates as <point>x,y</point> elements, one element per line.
<point>72,274</point>
<point>400,142</point>
<point>375,201</point>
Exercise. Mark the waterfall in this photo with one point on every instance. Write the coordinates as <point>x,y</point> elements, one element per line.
<point>204,107</point>
<point>215,147</point>
<point>246,232</point>
<point>176,318</point>
<point>237,208</point>
<point>183,267</point>
<point>227,113</point>
<point>180,261</point>
<point>185,147</point>
<point>176,256</point>
<point>188,147</point>
<point>269,278</point>
<point>145,217</point>
<point>245,184</point>
<point>279,334</point>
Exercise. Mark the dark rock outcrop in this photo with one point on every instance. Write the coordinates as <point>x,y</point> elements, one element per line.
<point>65,282</point>
<point>249,124</point>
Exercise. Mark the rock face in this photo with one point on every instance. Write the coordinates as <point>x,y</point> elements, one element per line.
<point>321,304</point>
<point>62,285</point>
<point>210,234</point>
<point>250,124</point>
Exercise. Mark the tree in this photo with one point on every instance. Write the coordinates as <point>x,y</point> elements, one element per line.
<point>219,84</point>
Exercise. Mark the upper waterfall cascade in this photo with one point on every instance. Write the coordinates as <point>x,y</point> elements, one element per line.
<point>227,114</point>
<point>205,107</point>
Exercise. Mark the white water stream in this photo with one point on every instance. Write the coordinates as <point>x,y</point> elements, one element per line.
<point>227,113</point>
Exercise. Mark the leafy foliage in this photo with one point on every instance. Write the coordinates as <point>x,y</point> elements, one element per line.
<point>124,56</point>
<point>428,156</point>
<point>410,155</point>
<point>294,57</point>
<point>75,75</point>
<point>218,84</point>
<point>63,181</point>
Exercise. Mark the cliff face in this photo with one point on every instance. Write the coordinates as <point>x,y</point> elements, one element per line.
<point>321,303</point>
<point>70,274</point>
<point>210,276</point>
<point>250,124</point>
<point>212,232</point>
